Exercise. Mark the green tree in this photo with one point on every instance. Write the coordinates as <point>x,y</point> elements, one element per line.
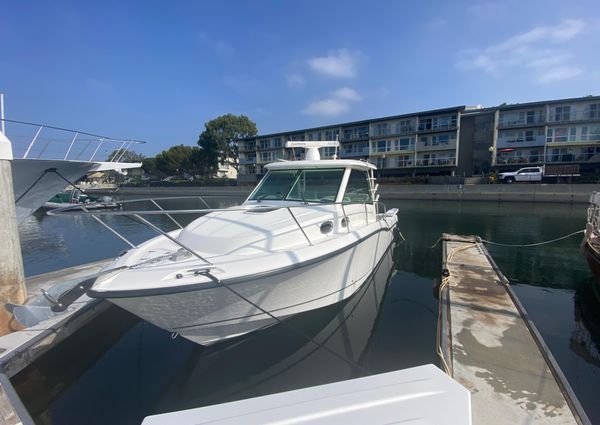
<point>219,140</point>
<point>125,156</point>
<point>178,161</point>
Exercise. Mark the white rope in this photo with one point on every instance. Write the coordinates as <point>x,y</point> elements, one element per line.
<point>534,244</point>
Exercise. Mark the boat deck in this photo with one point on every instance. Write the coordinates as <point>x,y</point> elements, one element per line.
<point>491,347</point>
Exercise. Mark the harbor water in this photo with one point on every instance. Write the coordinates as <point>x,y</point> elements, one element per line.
<point>120,369</point>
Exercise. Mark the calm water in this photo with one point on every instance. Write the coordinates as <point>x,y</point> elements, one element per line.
<point>120,369</point>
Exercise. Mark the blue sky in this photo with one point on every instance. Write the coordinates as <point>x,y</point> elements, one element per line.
<point>156,71</point>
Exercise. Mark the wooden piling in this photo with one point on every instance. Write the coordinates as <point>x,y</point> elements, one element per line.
<point>12,280</point>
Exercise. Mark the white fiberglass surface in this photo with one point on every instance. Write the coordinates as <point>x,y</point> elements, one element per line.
<point>242,256</point>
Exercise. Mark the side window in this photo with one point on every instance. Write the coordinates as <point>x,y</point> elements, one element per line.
<point>358,188</point>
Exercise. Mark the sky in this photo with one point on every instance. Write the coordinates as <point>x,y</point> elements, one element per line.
<point>158,70</point>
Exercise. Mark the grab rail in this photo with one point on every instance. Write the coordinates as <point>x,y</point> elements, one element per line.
<point>54,135</point>
<point>136,215</point>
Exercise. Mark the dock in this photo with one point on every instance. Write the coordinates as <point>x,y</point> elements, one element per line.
<point>20,349</point>
<point>489,345</point>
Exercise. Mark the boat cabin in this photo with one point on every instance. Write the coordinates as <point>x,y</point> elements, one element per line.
<point>327,181</point>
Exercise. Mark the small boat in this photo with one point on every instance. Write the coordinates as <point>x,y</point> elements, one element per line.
<point>309,235</point>
<point>77,197</point>
<point>590,246</point>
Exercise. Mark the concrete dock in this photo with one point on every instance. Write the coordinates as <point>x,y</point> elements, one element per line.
<point>490,346</point>
<point>20,349</point>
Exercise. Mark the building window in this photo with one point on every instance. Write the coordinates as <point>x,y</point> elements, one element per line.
<point>562,113</point>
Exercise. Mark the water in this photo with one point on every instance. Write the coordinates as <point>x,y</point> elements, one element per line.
<point>122,369</point>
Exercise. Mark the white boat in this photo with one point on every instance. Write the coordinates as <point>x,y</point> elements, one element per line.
<point>54,158</point>
<point>308,236</point>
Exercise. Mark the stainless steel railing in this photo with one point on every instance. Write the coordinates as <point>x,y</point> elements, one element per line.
<point>41,141</point>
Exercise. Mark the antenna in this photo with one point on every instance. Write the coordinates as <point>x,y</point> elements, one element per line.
<point>312,148</point>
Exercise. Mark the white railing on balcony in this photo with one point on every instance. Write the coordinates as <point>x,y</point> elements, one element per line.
<point>574,116</point>
<point>521,123</point>
<point>386,149</point>
<point>40,141</point>
<point>433,162</point>
<point>392,131</point>
<point>350,154</point>
<point>423,127</point>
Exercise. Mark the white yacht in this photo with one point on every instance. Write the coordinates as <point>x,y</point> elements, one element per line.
<point>53,158</point>
<point>309,235</point>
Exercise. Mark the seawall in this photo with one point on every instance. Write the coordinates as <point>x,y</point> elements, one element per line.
<point>520,192</point>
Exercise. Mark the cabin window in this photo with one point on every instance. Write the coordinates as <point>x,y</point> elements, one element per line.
<point>275,185</point>
<point>316,185</point>
<point>358,188</point>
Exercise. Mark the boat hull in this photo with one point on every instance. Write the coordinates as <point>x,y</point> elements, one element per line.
<point>216,313</point>
<point>592,257</point>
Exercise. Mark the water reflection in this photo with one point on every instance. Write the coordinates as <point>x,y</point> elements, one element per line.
<point>585,338</point>
<point>553,282</point>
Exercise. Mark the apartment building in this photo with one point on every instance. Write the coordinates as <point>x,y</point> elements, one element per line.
<point>565,131</point>
<point>460,140</point>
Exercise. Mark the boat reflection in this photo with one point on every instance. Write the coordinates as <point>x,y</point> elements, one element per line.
<point>278,359</point>
<point>585,338</point>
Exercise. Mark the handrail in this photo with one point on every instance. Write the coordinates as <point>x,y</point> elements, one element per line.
<point>101,142</point>
<point>136,215</point>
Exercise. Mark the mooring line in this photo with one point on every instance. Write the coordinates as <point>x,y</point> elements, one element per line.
<point>533,244</point>
<point>518,245</point>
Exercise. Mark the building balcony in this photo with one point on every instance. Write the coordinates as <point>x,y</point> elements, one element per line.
<point>436,162</point>
<point>402,150</point>
<point>568,143</point>
<point>574,117</point>
<point>570,158</point>
<point>538,122</point>
<point>242,148</point>
<point>247,161</point>
<point>437,128</point>
<point>394,131</point>
<point>520,160</point>
<point>354,137</point>
<point>361,152</point>
<point>512,143</point>
<point>421,147</point>
<point>269,147</point>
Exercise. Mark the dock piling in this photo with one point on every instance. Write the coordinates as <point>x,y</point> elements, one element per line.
<point>12,280</point>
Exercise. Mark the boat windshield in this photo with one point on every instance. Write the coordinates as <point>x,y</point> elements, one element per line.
<point>315,185</point>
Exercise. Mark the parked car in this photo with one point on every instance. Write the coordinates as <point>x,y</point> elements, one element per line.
<point>537,174</point>
<point>530,174</point>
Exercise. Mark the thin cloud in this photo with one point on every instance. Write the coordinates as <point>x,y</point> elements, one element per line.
<point>327,107</point>
<point>536,49</point>
<point>338,103</point>
<point>340,64</point>
<point>346,93</point>
<point>559,74</point>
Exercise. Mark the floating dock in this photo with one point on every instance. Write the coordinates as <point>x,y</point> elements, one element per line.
<point>489,345</point>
